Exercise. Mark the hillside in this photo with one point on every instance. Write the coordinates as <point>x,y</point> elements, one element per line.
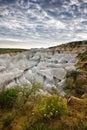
<point>76,46</point>
<point>44,89</point>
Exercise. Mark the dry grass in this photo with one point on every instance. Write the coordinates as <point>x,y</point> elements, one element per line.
<point>77,110</point>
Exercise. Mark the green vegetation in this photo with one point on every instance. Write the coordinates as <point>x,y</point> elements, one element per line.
<point>5,50</point>
<point>76,84</point>
<point>25,109</point>
<point>51,107</point>
<point>8,97</point>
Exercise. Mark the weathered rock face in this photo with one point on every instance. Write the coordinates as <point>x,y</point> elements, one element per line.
<point>40,64</point>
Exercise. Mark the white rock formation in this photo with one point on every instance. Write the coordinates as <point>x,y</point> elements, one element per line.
<point>39,64</point>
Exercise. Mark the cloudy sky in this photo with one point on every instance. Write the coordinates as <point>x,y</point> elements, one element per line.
<point>41,23</point>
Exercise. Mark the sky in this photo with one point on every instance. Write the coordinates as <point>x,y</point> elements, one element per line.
<point>42,23</point>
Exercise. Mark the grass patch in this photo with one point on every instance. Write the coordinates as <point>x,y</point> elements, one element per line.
<point>5,50</point>
<point>8,119</point>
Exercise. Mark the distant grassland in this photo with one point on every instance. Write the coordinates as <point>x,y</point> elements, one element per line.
<point>9,50</point>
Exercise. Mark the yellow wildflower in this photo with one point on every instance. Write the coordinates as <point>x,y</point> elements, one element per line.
<point>51,113</point>
<point>44,115</point>
<point>32,113</point>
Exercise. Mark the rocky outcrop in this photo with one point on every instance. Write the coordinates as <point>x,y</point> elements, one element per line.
<point>39,64</point>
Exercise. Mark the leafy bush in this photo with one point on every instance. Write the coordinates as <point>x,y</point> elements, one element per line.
<point>8,97</point>
<point>52,107</point>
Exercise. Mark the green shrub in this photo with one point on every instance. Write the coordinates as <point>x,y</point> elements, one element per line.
<point>52,107</point>
<point>8,97</point>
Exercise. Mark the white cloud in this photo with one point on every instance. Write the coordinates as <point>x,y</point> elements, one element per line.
<point>56,23</point>
<point>82,36</point>
<point>11,39</point>
<point>34,26</point>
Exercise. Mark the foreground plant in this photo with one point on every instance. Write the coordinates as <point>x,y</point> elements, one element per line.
<point>8,97</point>
<point>52,107</point>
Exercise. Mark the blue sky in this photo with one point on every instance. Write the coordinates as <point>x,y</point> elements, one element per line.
<point>42,23</point>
